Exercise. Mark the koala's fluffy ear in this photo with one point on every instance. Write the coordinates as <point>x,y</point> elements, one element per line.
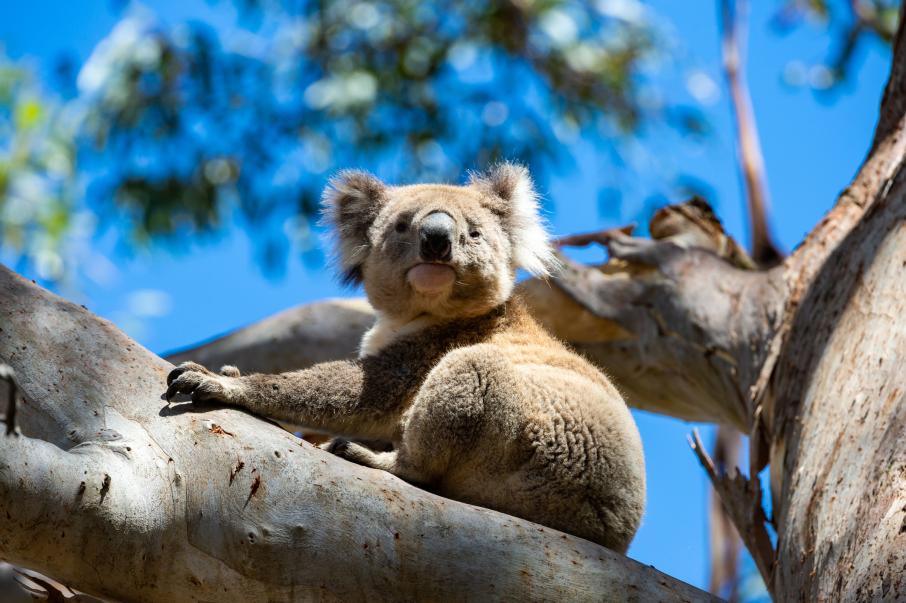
<point>514,199</point>
<point>351,202</point>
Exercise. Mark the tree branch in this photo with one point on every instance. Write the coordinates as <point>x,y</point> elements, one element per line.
<point>741,498</point>
<point>723,537</point>
<point>293,339</point>
<point>733,25</point>
<point>678,321</point>
<point>117,494</point>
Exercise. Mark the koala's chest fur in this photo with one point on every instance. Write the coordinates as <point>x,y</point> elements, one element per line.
<point>386,330</point>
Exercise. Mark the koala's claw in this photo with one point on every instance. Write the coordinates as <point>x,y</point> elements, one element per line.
<point>195,380</point>
<point>184,367</point>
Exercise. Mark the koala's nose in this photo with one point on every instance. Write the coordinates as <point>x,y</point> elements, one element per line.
<point>436,237</point>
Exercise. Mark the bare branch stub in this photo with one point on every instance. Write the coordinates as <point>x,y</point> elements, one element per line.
<point>725,544</point>
<point>741,497</point>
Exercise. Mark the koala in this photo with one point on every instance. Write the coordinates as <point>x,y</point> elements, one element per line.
<point>480,404</point>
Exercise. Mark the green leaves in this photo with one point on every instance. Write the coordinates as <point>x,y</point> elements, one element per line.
<point>28,114</point>
<point>37,175</point>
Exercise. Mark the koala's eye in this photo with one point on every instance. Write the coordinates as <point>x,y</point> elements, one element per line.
<point>401,226</point>
<point>474,234</point>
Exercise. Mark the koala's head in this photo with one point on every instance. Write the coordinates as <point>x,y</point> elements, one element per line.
<point>448,251</point>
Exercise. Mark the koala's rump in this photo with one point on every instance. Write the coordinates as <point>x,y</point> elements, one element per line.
<point>541,440</point>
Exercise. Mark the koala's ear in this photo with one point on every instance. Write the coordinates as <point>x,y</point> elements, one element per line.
<point>512,196</point>
<point>350,204</point>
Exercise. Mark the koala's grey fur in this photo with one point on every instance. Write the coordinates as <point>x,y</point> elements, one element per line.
<point>480,403</point>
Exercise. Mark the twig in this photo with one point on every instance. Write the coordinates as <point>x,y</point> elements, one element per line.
<point>601,237</point>
<point>751,162</point>
<point>741,497</point>
<point>724,540</point>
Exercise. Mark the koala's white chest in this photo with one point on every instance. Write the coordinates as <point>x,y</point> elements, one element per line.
<point>386,330</point>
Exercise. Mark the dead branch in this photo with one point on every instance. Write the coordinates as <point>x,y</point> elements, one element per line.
<point>724,543</point>
<point>741,498</point>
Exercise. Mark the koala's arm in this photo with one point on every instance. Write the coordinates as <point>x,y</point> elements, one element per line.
<point>327,396</point>
<point>362,398</point>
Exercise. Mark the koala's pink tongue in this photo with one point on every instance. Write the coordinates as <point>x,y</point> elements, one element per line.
<point>431,278</point>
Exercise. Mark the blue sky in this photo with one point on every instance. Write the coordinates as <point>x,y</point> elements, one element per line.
<point>812,148</point>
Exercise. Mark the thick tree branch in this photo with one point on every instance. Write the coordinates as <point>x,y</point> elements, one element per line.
<point>837,360</point>
<point>297,338</point>
<point>117,494</point>
<point>839,492</point>
<point>677,328</point>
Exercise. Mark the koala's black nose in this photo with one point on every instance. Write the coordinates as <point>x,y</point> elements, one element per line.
<point>436,237</point>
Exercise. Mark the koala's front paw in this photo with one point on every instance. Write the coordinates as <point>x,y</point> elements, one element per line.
<point>195,380</point>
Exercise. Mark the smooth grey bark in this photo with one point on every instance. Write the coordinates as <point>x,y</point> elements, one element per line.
<point>293,339</point>
<point>118,494</point>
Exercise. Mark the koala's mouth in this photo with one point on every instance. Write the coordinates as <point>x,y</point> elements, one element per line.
<point>430,278</point>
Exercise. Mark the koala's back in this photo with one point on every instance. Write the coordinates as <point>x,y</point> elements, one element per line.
<point>523,425</point>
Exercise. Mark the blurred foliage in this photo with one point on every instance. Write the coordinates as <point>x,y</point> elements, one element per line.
<point>851,22</point>
<point>37,166</point>
<point>169,132</point>
<point>191,123</point>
